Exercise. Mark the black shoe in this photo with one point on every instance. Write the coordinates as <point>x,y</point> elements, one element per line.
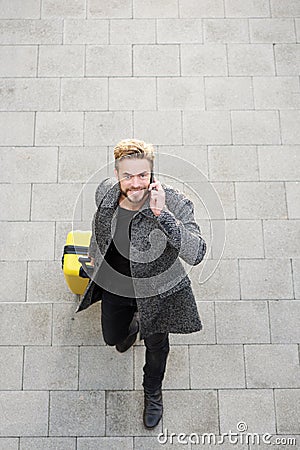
<point>153,408</point>
<point>131,338</point>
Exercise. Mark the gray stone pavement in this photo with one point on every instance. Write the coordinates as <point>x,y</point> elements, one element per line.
<point>212,83</point>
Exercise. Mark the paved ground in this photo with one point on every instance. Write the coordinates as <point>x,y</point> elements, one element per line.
<point>213,82</point>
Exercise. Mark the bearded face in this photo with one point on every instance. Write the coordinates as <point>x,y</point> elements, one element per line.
<point>134,179</point>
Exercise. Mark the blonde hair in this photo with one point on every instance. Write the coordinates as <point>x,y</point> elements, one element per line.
<point>133,148</point>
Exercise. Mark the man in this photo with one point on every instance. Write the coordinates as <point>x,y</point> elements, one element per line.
<point>140,231</point>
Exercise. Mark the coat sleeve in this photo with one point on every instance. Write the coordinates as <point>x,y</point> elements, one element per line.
<point>98,197</point>
<point>93,245</point>
<point>182,231</point>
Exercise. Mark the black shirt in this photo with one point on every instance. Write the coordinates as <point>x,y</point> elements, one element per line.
<point>117,255</point>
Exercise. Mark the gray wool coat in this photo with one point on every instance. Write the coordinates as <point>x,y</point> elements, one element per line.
<point>163,291</point>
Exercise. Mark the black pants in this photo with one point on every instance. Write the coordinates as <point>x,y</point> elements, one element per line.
<point>116,315</point>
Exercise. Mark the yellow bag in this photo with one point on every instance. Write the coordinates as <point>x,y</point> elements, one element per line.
<point>74,260</point>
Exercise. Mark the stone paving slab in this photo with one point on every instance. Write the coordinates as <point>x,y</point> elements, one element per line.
<point>9,443</point>
<point>217,366</point>
<point>274,366</point>
<point>24,413</point>
<point>105,443</point>
<point>242,322</point>
<point>11,362</point>
<point>14,279</point>
<point>25,324</point>
<point>287,410</point>
<point>198,411</point>
<point>215,85</point>
<point>77,413</point>
<point>100,369</point>
<point>270,279</point>
<point>47,443</point>
<point>50,368</point>
<point>255,407</point>
<point>282,313</point>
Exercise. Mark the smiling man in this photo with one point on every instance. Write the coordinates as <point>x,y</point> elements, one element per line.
<point>141,230</point>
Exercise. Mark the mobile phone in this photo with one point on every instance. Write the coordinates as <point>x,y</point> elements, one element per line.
<point>151,177</point>
<point>152,180</point>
